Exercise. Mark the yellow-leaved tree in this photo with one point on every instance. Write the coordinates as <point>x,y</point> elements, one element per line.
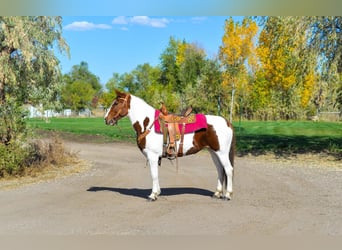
<point>237,55</point>
<point>286,77</point>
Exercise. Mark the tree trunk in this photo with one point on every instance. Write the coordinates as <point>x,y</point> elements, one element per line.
<point>232,105</point>
<point>5,128</point>
<point>2,93</point>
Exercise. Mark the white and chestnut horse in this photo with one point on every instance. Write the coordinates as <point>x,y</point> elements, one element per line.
<point>218,137</point>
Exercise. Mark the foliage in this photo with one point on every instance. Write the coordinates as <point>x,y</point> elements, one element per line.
<point>290,69</point>
<point>288,73</point>
<point>29,71</point>
<point>12,158</point>
<point>81,89</point>
<point>78,95</point>
<point>237,57</point>
<point>204,95</point>
<point>168,61</point>
<point>12,126</point>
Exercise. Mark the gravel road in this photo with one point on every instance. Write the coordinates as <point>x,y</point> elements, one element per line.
<point>271,197</point>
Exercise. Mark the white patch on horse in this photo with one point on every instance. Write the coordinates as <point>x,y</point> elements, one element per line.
<point>107,113</point>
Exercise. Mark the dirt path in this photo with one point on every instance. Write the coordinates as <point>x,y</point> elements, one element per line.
<point>270,198</point>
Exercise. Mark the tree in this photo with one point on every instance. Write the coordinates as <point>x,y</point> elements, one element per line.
<point>237,51</point>
<point>288,65</point>
<point>205,94</point>
<point>29,69</point>
<point>78,95</point>
<point>190,61</point>
<point>182,64</point>
<point>88,84</point>
<point>301,60</point>
<point>326,41</point>
<point>169,68</point>
<point>81,72</point>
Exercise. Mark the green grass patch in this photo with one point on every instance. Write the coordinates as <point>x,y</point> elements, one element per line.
<point>279,137</point>
<point>87,126</point>
<point>289,137</point>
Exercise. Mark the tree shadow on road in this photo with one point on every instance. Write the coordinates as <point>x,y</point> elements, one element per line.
<point>284,146</point>
<point>143,193</point>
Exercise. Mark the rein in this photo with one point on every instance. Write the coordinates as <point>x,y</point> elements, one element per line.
<point>147,131</point>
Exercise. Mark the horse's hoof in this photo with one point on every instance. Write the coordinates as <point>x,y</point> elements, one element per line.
<point>150,199</point>
<point>226,198</point>
<point>215,197</point>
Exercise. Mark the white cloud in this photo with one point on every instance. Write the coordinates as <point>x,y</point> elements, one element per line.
<point>120,20</point>
<point>84,25</point>
<point>124,28</point>
<point>142,20</point>
<point>199,19</point>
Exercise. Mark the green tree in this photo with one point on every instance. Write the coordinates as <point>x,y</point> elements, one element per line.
<point>29,69</point>
<point>205,94</point>
<point>169,68</point>
<point>109,94</point>
<point>80,74</point>
<point>114,82</point>
<point>78,95</point>
<point>182,64</point>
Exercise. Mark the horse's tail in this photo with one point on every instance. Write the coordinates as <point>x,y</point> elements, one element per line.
<point>231,154</point>
<point>232,146</point>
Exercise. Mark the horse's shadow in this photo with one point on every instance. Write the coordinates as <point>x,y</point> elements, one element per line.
<point>143,193</point>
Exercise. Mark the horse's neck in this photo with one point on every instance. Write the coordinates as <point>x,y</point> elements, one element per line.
<point>140,110</point>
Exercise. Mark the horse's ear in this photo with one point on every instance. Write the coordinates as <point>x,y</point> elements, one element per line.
<point>119,93</point>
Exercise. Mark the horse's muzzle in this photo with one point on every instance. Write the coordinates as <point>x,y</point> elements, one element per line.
<point>111,122</point>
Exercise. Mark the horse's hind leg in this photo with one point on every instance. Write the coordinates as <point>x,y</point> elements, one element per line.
<point>228,168</point>
<point>225,175</point>
<point>221,179</point>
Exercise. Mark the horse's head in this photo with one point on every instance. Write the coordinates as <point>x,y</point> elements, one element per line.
<point>118,109</point>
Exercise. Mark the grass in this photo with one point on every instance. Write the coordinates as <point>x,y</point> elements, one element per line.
<point>279,137</point>
<point>87,126</point>
<point>289,137</point>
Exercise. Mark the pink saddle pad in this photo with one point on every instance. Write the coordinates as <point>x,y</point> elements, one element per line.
<point>200,123</point>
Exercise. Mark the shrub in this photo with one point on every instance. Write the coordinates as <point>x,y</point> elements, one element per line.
<point>23,158</point>
<point>12,159</point>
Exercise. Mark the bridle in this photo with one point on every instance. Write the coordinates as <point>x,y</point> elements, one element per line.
<point>118,113</point>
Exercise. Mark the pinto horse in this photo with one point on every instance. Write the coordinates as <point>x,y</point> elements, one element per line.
<point>218,137</point>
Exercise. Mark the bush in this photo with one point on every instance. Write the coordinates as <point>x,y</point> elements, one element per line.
<point>12,159</point>
<point>23,158</point>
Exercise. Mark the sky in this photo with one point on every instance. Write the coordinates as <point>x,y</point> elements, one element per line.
<point>118,44</point>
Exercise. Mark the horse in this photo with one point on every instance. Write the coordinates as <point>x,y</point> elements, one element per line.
<point>218,138</point>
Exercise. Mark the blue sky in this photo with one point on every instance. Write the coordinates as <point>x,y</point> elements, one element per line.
<point>120,43</point>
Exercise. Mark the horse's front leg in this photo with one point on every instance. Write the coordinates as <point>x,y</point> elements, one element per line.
<point>153,163</point>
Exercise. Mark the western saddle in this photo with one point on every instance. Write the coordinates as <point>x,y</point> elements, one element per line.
<point>170,125</point>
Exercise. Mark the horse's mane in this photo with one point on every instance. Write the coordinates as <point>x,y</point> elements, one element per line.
<point>140,101</point>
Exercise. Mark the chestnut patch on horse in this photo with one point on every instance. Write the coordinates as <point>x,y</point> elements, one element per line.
<point>141,141</point>
<point>204,138</point>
